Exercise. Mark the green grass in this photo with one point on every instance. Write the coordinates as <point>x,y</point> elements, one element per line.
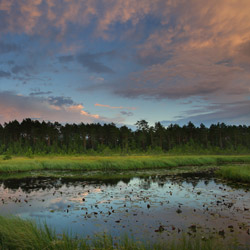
<point>16,234</point>
<point>235,173</point>
<point>113,163</point>
<point>105,175</point>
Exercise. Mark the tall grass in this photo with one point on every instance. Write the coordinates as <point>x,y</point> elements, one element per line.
<point>236,173</point>
<point>114,163</point>
<point>18,234</point>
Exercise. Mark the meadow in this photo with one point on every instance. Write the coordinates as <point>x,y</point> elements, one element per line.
<point>124,163</point>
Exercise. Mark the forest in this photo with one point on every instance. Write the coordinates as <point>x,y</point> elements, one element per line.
<point>33,137</point>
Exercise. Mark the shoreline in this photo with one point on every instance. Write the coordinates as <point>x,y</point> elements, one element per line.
<point>128,163</point>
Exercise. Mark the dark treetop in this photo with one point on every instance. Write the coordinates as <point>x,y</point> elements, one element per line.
<point>32,136</point>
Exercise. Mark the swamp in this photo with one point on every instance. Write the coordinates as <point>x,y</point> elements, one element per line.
<point>153,205</point>
<point>123,189</point>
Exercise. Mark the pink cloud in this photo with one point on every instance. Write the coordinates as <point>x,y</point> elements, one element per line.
<point>13,106</point>
<point>201,48</point>
<point>220,18</point>
<point>203,53</point>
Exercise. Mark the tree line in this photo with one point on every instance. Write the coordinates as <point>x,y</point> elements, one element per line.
<point>34,137</point>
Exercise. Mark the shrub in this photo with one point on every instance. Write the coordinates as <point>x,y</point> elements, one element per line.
<point>7,157</point>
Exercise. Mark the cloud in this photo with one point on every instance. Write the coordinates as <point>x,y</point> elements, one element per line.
<point>197,49</point>
<point>40,93</point>
<point>244,49</point>
<point>231,113</point>
<point>7,47</point>
<point>66,59</point>
<point>112,107</point>
<point>4,74</point>
<point>92,63</point>
<point>184,16</point>
<point>188,48</point>
<point>60,100</point>
<point>123,12</point>
<point>96,79</point>
<point>185,76</point>
<point>10,62</point>
<point>127,113</point>
<point>21,69</point>
<point>14,106</point>
<point>200,50</point>
<point>37,16</point>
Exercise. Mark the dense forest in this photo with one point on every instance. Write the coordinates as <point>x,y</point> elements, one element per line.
<point>33,137</point>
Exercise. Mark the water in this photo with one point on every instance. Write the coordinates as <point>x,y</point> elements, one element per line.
<point>153,207</point>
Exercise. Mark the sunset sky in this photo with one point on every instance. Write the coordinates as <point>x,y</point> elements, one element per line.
<point>120,61</point>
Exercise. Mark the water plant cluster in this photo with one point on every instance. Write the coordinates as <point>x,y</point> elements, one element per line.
<point>235,173</point>
<point>33,137</point>
<point>18,234</point>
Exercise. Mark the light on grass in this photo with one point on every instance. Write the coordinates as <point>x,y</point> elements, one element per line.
<point>114,163</point>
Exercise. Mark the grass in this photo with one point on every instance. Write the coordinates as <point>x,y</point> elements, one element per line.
<point>235,173</point>
<point>105,176</point>
<point>113,163</point>
<point>16,234</point>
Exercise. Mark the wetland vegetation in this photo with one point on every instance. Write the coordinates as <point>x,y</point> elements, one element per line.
<point>236,173</point>
<point>240,171</point>
<point>113,162</point>
<point>114,188</point>
<point>25,234</point>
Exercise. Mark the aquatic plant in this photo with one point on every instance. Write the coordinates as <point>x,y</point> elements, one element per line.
<point>236,173</point>
<point>16,233</point>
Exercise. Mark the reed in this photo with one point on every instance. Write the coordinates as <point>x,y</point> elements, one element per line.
<point>239,173</point>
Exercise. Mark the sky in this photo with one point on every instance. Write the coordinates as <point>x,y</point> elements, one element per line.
<point>121,61</point>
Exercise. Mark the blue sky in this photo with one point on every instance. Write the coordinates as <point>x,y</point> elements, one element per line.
<point>125,60</point>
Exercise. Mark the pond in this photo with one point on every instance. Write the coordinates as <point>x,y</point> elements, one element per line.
<point>152,207</point>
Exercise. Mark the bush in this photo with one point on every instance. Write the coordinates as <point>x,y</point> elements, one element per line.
<point>29,153</point>
<point>7,157</point>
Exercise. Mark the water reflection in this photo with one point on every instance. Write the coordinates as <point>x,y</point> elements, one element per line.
<point>138,205</point>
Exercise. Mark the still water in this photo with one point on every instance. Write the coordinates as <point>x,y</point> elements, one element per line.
<point>152,207</point>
